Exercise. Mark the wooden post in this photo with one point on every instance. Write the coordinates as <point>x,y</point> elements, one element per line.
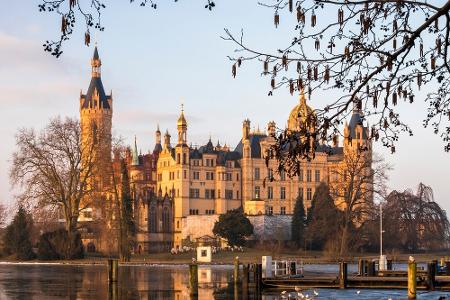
<point>113,291</point>
<point>113,270</point>
<point>370,268</point>
<point>236,269</point>
<point>431,275</point>
<point>361,267</point>
<point>193,279</point>
<point>258,272</point>
<point>412,280</point>
<point>447,268</point>
<point>389,264</point>
<point>342,275</point>
<point>245,280</point>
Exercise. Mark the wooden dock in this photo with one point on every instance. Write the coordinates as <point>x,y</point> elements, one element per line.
<point>429,279</point>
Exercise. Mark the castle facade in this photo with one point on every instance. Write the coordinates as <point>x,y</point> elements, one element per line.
<point>174,183</point>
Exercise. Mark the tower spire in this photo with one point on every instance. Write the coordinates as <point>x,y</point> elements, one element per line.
<point>96,63</point>
<point>135,155</point>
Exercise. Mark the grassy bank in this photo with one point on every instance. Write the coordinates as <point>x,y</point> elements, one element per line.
<point>250,255</point>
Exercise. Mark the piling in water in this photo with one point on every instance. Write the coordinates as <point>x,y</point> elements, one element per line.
<point>361,263</point>
<point>113,270</point>
<point>412,279</point>
<point>342,275</point>
<point>236,269</point>
<point>431,275</point>
<point>193,279</point>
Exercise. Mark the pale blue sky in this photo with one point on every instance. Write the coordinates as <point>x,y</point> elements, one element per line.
<point>153,61</point>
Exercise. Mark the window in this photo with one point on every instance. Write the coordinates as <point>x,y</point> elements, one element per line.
<point>193,212</point>
<point>283,193</point>
<point>300,192</point>
<point>300,175</point>
<point>196,175</point>
<point>178,158</point>
<point>257,192</point>
<point>185,174</point>
<point>194,193</point>
<point>257,175</point>
<point>237,194</point>
<point>237,176</point>
<point>209,194</point>
<point>166,220</point>
<point>317,175</point>
<point>309,194</point>
<point>282,210</point>
<point>269,210</point>
<point>270,192</point>
<point>203,253</point>
<point>228,194</point>
<point>184,158</point>
<point>282,176</point>
<point>308,175</point>
<point>209,175</point>
<point>270,173</point>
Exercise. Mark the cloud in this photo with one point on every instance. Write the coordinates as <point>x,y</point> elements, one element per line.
<point>25,55</point>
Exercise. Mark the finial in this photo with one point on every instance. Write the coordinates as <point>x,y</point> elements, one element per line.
<point>182,107</point>
<point>157,127</point>
<point>302,96</point>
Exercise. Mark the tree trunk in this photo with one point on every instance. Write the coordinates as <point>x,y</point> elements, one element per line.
<point>344,242</point>
<point>71,227</point>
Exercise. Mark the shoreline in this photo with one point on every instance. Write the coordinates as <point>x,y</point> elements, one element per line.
<point>225,259</point>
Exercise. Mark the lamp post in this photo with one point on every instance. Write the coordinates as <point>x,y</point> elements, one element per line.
<point>383,261</point>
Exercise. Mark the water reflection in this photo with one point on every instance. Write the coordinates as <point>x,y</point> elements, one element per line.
<point>37,281</point>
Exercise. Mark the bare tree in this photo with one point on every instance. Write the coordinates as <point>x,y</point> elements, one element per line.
<point>90,11</point>
<point>55,171</point>
<point>415,222</point>
<point>353,184</point>
<point>3,215</point>
<point>375,52</point>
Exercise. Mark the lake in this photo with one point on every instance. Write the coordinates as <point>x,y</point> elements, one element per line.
<point>55,281</point>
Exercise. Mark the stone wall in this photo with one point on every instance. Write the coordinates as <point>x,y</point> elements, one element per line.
<point>275,227</point>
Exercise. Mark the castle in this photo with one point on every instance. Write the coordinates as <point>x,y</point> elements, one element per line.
<point>179,190</point>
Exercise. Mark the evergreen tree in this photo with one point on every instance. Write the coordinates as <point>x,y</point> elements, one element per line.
<point>17,237</point>
<point>233,226</point>
<point>323,218</point>
<point>298,222</point>
<point>127,226</point>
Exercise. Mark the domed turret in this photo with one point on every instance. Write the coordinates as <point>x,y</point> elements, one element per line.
<point>182,128</point>
<point>300,114</point>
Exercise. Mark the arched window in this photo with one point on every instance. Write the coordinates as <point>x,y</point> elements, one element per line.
<point>166,220</point>
<point>152,221</point>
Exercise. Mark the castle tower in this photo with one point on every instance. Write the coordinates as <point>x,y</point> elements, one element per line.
<point>355,133</point>
<point>96,121</point>
<point>158,147</point>
<point>181,182</point>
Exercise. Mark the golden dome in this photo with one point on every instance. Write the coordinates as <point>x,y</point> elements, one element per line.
<point>182,120</point>
<point>299,114</point>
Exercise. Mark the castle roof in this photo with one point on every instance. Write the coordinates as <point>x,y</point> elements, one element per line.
<point>356,119</point>
<point>95,90</point>
<point>255,146</point>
